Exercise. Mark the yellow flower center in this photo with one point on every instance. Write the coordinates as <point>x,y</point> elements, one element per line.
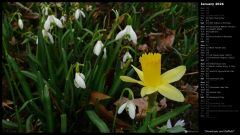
<point>151,67</point>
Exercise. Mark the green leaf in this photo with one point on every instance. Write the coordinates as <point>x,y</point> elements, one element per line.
<point>176,129</point>
<point>153,16</point>
<point>48,109</point>
<point>63,123</point>
<point>9,124</point>
<point>98,122</point>
<point>29,122</point>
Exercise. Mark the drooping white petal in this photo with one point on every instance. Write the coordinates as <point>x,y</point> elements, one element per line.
<point>77,14</point>
<point>82,75</point>
<point>44,33</point>
<point>47,23</point>
<point>20,23</point>
<point>169,125</point>
<point>37,41</point>
<point>97,48</point>
<point>120,34</point>
<point>131,109</point>
<point>132,34</point>
<point>122,107</point>
<point>57,22</point>
<point>126,56</point>
<point>50,37</point>
<point>76,84</point>
<point>79,81</point>
<point>180,123</point>
<point>63,19</point>
<point>82,13</point>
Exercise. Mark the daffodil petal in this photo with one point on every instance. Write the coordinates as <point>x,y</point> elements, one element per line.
<point>122,107</point>
<point>131,109</point>
<point>139,72</point>
<point>171,92</point>
<point>131,80</point>
<point>147,91</point>
<point>174,74</point>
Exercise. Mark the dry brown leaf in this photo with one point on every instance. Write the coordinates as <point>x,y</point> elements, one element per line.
<point>191,94</point>
<point>163,103</point>
<point>166,40</point>
<point>6,103</point>
<point>95,95</point>
<point>143,47</point>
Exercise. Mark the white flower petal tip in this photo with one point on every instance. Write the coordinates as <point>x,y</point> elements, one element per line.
<point>128,30</point>
<point>169,124</point>
<point>97,48</point>
<point>57,22</point>
<point>180,123</point>
<point>79,80</point>
<point>20,23</point>
<point>130,107</point>
<point>45,33</point>
<point>127,56</point>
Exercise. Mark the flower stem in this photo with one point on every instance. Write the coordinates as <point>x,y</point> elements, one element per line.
<point>152,104</point>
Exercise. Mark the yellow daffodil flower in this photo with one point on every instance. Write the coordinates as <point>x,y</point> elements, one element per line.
<point>152,79</point>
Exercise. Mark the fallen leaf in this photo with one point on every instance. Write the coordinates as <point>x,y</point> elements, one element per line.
<point>6,103</point>
<point>166,40</point>
<point>163,103</point>
<point>191,96</point>
<point>95,95</point>
<point>143,47</point>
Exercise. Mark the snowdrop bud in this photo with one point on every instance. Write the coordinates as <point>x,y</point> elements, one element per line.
<point>20,23</point>
<point>79,80</point>
<point>169,124</point>
<point>127,56</point>
<point>104,53</point>
<point>97,48</point>
<point>37,41</point>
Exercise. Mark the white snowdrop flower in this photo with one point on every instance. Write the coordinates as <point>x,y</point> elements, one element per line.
<point>20,23</point>
<point>127,56</point>
<point>79,13</point>
<point>130,108</point>
<point>169,124</point>
<point>63,19</point>
<point>49,35</point>
<point>52,19</point>
<point>98,47</point>
<point>180,123</point>
<point>128,30</point>
<point>79,80</point>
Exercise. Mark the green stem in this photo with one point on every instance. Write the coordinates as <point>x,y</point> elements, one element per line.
<point>152,104</point>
